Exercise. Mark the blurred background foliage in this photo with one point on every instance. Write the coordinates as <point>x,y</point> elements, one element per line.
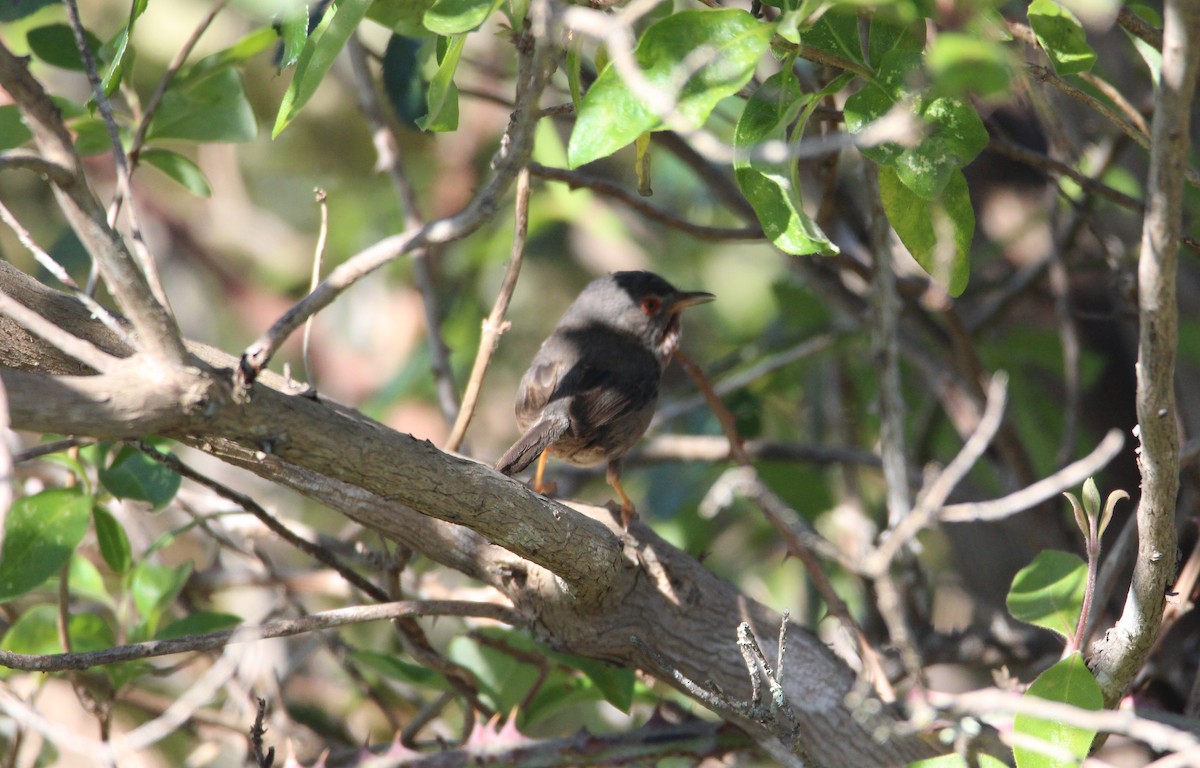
<point>1050,301</point>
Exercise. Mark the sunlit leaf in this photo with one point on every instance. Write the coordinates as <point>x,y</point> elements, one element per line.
<point>84,580</point>
<point>954,132</point>
<point>1049,591</point>
<point>937,233</point>
<point>730,44</point>
<point>154,589</point>
<point>179,168</point>
<point>1070,682</point>
<point>55,44</point>
<point>40,534</point>
<point>198,623</point>
<point>114,543</point>
<point>1061,36</point>
<point>133,475</point>
<point>402,83</point>
<point>455,17</point>
<point>320,49</point>
<point>210,107</point>
<point>442,97</point>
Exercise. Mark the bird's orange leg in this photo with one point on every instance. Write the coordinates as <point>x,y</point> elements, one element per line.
<point>613,475</point>
<point>538,485</point>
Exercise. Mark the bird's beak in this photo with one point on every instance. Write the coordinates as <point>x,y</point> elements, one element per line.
<point>686,299</point>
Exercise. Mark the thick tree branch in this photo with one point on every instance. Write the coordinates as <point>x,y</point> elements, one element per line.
<point>156,328</point>
<point>583,584</point>
<point>1123,650</point>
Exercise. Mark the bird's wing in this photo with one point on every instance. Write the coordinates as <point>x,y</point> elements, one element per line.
<point>603,395</point>
<point>538,386</point>
<point>542,425</point>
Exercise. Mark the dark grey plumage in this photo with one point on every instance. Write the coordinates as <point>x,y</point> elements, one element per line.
<point>592,388</point>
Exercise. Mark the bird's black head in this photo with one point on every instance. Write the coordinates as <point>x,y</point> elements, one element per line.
<point>637,303</point>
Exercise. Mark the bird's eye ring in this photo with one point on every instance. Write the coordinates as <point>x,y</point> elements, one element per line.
<point>651,305</point>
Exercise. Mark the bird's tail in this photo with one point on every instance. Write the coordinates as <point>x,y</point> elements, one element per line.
<point>537,439</point>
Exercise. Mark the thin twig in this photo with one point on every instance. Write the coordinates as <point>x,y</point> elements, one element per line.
<point>801,540</point>
<point>29,160</point>
<point>55,662</point>
<point>1137,26</point>
<point>57,446</point>
<point>1069,476</point>
<point>318,258</point>
<point>141,252</point>
<point>1121,653</point>
<point>164,82</point>
<point>1046,75</point>
<point>53,267</point>
<point>638,204</point>
<point>495,324</point>
<point>932,497</point>
<point>885,306</point>
<point>257,731</point>
<point>390,160</point>
<point>712,448</point>
<point>763,367</point>
<point>990,702</point>
<point>315,551</point>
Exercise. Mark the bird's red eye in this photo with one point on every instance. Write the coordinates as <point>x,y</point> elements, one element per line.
<point>651,305</point>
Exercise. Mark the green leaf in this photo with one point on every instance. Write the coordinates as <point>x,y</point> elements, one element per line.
<point>209,107</point>
<point>397,669</point>
<point>320,49</point>
<point>133,475</point>
<point>964,63</point>
<point>772,187</point>
<point>1061,36</point>
<point>154,589</point>
<point>84,580</point>
<point>886,36</point>
<point>955,134</point>
<point>837,33</point>
<point>179,168</point>
<point>13,132</point>
<point>1049,592</point>
<point>121,53</point>
<point>404,17</point>
<point>503,679</point>
<point>294,32</point>
<point>89,632</point>
<point>198,623</point>
<point>614,683</point>
<point>456,17</point>
<point>937,233</point>
<point>442,97</point>
<point>611,116</point>
<point>91,136</point>
<point>114,544</point>
<point>36,632</point>
<point>40,534</point>
<point>402,82</point>
<point>1069,682</point>
<point>247,48</point>
<point>55,45</point>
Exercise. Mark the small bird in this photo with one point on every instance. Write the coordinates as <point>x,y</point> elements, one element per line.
<point>591,390</point>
